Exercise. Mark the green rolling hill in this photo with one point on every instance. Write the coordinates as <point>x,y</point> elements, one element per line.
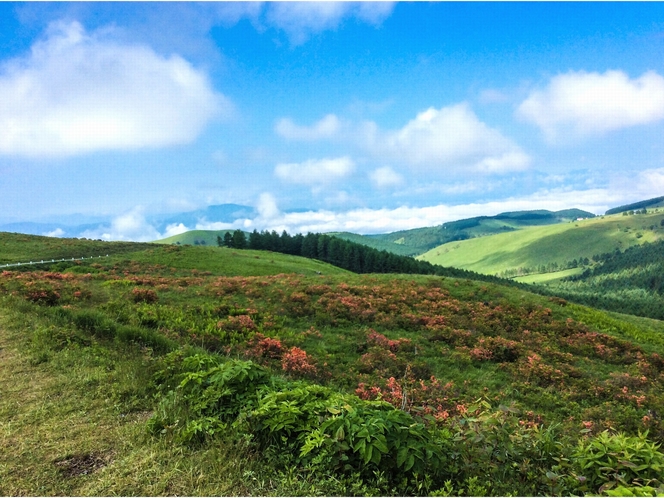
<point>656,202</point>
<point>546,248</point>
<point>195,238</point>
<point>420,240</point>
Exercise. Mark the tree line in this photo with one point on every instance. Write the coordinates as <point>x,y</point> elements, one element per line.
<point>342,253</point>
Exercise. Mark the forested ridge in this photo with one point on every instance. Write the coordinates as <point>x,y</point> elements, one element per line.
<point>631,281</point>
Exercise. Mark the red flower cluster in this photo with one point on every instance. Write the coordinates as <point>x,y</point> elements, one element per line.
<point>297,361</point>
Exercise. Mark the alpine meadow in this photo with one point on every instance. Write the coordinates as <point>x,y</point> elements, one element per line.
<point>331,248</point>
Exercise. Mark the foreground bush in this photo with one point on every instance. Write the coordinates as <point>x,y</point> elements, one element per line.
<point>317,429</point>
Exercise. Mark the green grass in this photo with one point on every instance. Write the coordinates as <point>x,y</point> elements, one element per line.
<point>534,246</point>
<point>195,237</point>
<point>72,423</point>
<point>77,383</point>
<point>20,248</point>
<point>224,261</point>
<point>548,278</point>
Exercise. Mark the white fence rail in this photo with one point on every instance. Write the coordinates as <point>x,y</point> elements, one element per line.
<point>43,261</point>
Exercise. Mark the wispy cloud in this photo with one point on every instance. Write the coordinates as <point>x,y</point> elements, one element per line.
<point>580,104</point>
<point>315,171</point>
<point>79,92</point>
<point>327,127</point>
<point>385,177</point>
<point>301,20</point>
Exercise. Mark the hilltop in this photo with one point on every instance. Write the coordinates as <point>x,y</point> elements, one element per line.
<point>204,370</point>
<point>656,202</point>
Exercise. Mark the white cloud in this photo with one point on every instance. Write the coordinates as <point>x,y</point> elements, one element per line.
<point>385,177</point>
<point>585,104</point>
<point>79,92</point>
<point>440,140</point>
<point>367,220</point>
<point>315,171</point>
<point>131,225</point>
<point>58,232</point>
<point>215,225</point>
<point>327,127</point>
<point>267,206</point>
<point>174,229</point>
<point>300,20</point>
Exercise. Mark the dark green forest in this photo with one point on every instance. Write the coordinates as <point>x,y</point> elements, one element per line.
<point>630,281</point>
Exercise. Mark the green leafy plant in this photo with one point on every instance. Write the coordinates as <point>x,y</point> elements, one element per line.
<point>609,459</point>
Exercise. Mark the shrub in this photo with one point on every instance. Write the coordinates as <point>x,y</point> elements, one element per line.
<point>610,459</point>
<point>139,295</point>
<point>48,297</point>
<point>297,360</point>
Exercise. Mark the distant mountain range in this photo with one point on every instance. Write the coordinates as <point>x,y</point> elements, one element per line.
<point>68,226</point>
<point>405,242</point>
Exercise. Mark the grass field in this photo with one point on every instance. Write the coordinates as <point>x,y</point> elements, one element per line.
<point>173,370</point>
<point>195,237</point>
<point>535,246</point>
<point>548,278</point>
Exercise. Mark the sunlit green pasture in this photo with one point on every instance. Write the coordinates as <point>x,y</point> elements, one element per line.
<point>534,246</point>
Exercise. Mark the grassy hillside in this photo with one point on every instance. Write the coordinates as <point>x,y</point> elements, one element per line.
<point>195,237</point>
<point>532,248</point>
<point>20,248</point>
<point>420,240</point>
<point>654,203</point>
<point>205,371</point>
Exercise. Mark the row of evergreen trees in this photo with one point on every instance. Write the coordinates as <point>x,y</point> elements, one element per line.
<point>343,253</point>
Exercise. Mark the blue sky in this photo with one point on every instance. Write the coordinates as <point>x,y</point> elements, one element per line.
<point>367,117</point>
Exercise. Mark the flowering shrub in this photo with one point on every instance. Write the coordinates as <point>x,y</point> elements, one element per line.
<point>265,347</point>
<point>48,297</point>
<point>297,361</point>
<point>374,338</point>
<point>239,323</point>
<point>139,295</point>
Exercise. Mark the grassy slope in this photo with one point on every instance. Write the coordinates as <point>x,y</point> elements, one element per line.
<point>224,261</point>
<point>194,236</point>
<point>16,247</point>
<point>560,243</point>
<point>420,240</point>
<point>65,397</point>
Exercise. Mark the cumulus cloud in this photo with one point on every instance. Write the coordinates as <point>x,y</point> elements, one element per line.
<point>315,171</point>
<point>593,103</point>
<point>78,92</point>
<point>131,225</point>
<point>327,127</point>
<point>174,229</point>
<point>301,20</point>
<point>267,206</point>
<point>385,177</point>
<point>444,139</point>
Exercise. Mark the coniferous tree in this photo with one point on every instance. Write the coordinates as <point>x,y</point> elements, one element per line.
<point>239,239</point>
